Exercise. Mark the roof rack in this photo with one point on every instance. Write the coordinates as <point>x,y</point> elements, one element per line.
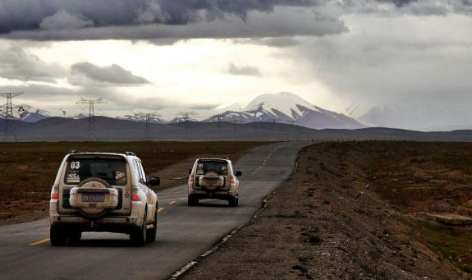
<point>74,151</point>
<point>130,154</point>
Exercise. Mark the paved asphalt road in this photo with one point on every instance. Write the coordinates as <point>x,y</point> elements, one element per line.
<point>183,232</point>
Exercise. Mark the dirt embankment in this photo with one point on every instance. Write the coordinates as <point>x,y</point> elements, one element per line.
<point>338,217</point>
<point>27,170</point>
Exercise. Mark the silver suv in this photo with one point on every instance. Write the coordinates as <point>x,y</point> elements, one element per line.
<point>213,178</point>
<point>103,192</point>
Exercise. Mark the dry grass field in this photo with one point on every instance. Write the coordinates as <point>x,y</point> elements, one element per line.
<point>27,170</point>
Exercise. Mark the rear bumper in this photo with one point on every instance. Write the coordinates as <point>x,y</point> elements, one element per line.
<point>225,195</point>
<point>110,224</point>
<point>118,223</point>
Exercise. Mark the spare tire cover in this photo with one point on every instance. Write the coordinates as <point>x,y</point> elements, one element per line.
<point>91,184</point>
<point>212,181</point>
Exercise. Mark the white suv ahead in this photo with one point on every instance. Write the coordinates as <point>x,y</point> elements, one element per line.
<point>213,178</point>
<point>96,191</point>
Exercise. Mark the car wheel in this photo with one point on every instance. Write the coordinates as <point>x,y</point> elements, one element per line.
<point>73,237</point>
<point>57,236</point>
<point>139,235</point>
<point>233,202</point>
<point>152,232</point>
<point>192,201</point>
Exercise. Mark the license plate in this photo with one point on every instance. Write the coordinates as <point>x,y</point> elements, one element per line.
<point>93,197</point>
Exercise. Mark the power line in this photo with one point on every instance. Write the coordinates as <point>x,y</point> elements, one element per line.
<point>91,118</point>
<point>9,131</point>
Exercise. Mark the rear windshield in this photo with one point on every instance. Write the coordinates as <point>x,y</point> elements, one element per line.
<point>109,169</point>
<point>219,167</point>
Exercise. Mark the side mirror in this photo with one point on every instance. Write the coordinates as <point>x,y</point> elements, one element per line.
<point>154,182</point>
<point>190,171</point>
<point>239,174</point>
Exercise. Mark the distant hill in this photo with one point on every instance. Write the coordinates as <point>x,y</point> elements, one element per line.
<point>111,129</point>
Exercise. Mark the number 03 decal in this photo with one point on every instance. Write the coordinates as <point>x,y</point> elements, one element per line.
<point>75,165</point>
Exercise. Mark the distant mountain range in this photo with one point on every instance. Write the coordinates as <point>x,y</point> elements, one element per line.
<point>289,108</point>
<point>281,108</point>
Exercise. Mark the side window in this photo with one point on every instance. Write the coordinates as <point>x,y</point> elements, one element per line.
<point>143,174</point>
<point>138,168</point>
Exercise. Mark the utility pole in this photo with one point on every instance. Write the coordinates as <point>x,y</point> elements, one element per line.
<point>276,135</point>
<point>235,126</point>
<point>186,117</point>
<point>9,131</point>
<point>218,131</point>
<point>91,118</point>
<point>292,133</point>
<point>255,126</point>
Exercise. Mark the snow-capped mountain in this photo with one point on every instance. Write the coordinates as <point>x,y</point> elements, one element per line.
<point>182,119</point>
<point>142,118</point>
<point>27,113</point>
<point>288,108</point>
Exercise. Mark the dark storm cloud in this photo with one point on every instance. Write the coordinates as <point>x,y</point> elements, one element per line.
<point>17,15</point>
<point>398,3</point>
<point>243,70</point>
<point>183,11</point>
<point>114,74</point>
<point>283,22</point>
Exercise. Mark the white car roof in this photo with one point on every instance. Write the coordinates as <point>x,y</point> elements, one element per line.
<point>126,154</point>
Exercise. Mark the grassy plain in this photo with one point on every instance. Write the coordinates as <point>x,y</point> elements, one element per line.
<point>28,170</point>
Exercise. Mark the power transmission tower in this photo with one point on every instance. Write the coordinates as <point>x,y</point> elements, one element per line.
<point>9,131</point>
<point>186,116</point>
<point>91,118</point>
<point>64,112</point>
<point>147,127</point>
<point>218,127</point>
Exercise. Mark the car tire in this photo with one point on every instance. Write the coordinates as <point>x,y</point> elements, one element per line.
<point>138,236</point>
<point>57,236</point>
<point>73,237</point>
<point>192,201</point>
<point>152,232</point>
<point>233,201</point>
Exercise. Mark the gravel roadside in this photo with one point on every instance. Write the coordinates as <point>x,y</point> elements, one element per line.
<point>326,223</point>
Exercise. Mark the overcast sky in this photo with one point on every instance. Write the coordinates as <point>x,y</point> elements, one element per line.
<point>147,55</point>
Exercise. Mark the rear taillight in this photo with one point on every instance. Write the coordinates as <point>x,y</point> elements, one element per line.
<point>232,181</point>
<point>134,197</point>
<point>55,196</point>
<point>191,180</point>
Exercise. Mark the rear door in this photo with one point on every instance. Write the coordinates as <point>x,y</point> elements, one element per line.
<point>112,168</point>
